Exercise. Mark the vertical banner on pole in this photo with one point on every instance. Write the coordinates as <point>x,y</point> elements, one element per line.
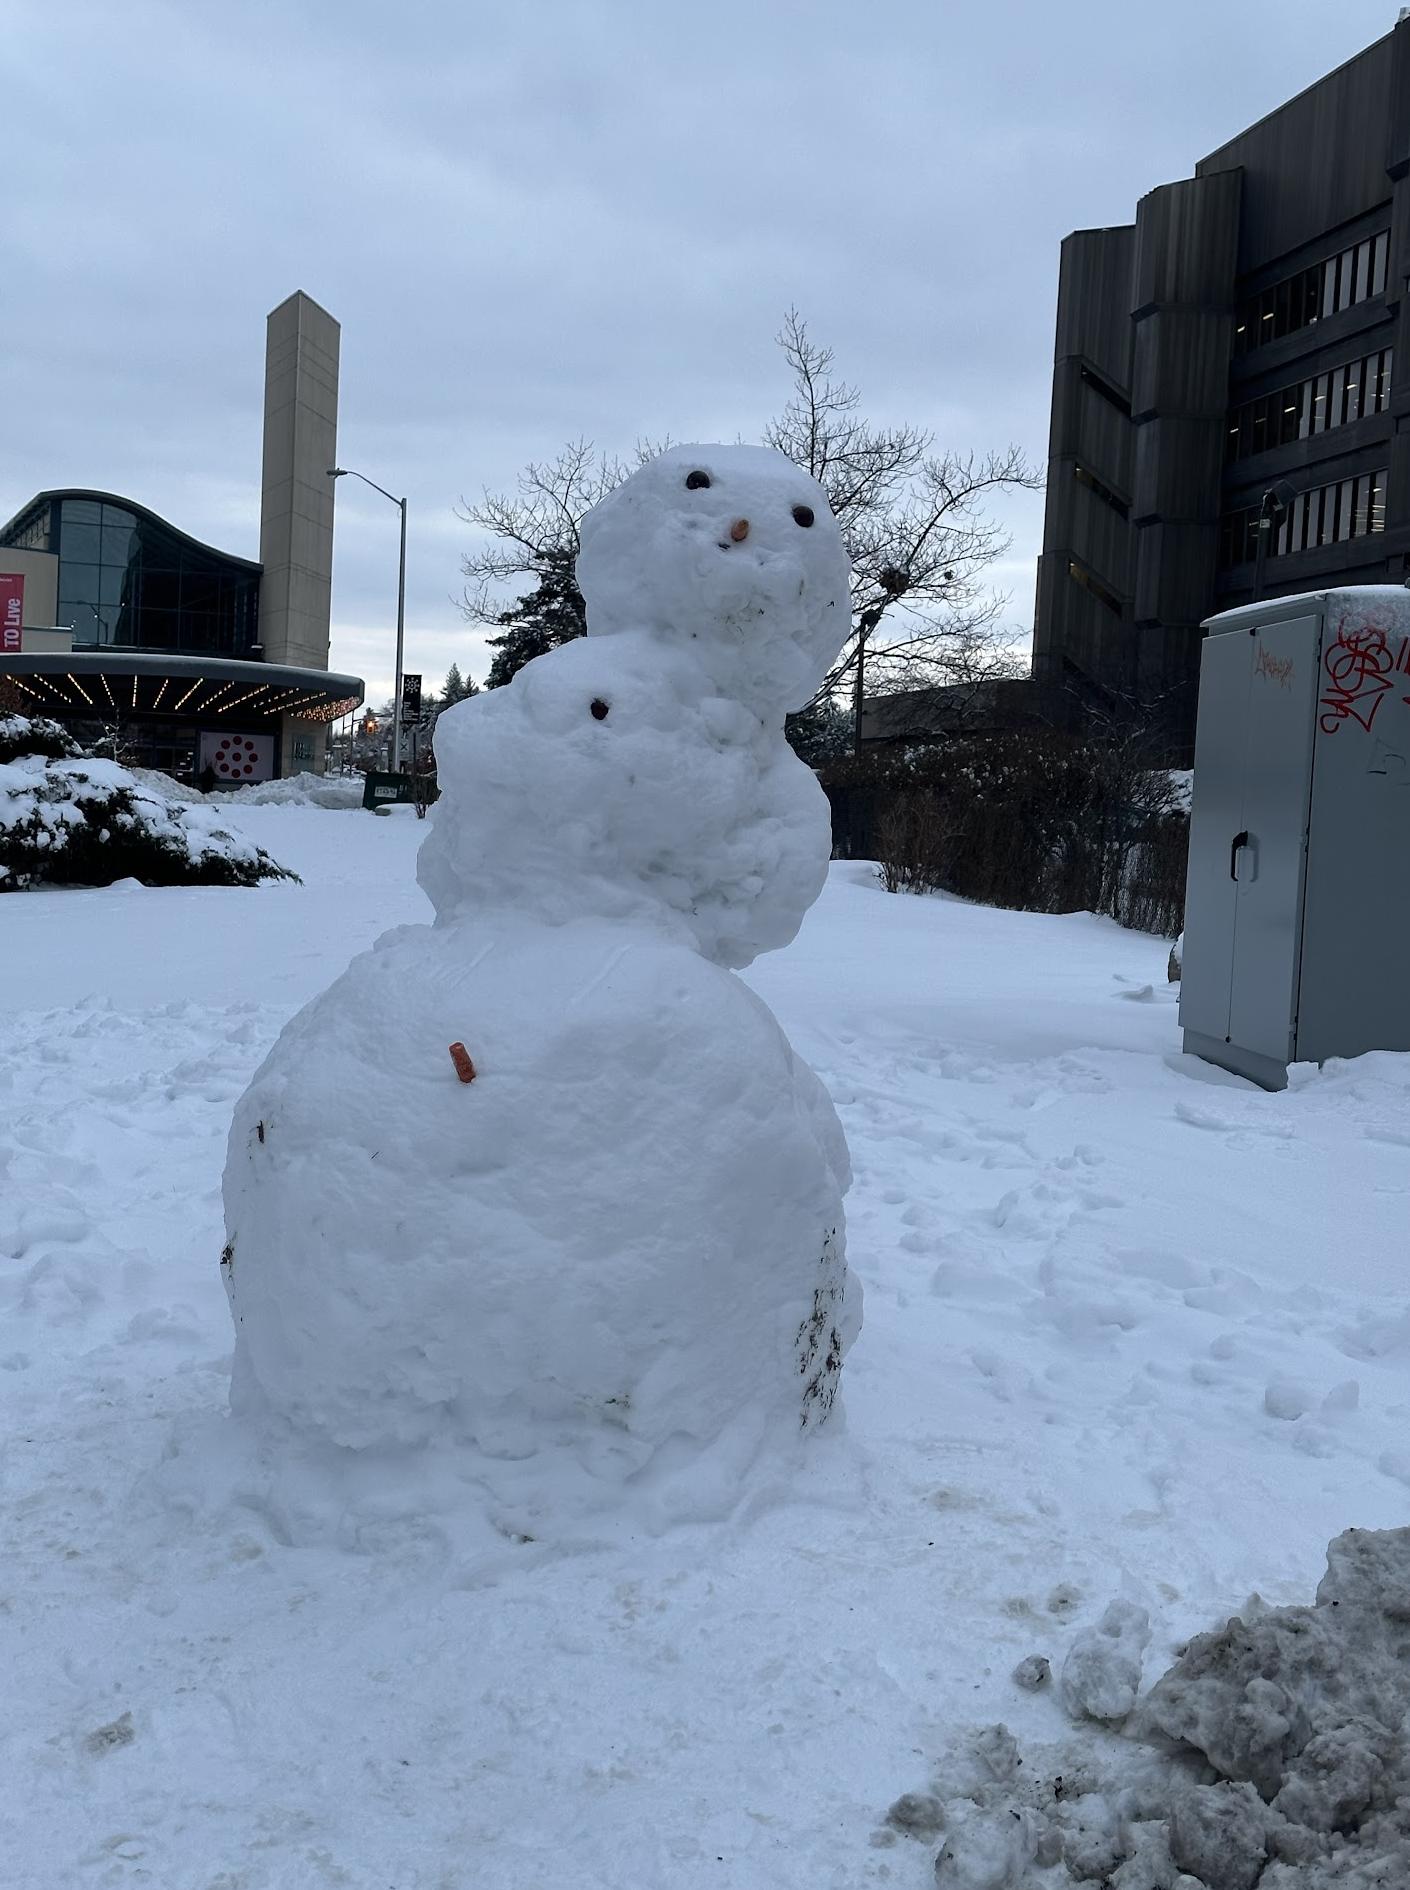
<point>11,611</point>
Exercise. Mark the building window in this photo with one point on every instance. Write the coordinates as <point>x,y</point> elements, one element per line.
<point>31,530</point>
<point>128,580</point>
<point>1353,275</point>
<point>1111,395</point>
<point>1327,515</point>
<point>1095,586</point>
<point>1102,490</point>
<point>1334,399</point>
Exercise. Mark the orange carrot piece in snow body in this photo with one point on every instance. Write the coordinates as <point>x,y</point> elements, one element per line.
<point>464,1068</point>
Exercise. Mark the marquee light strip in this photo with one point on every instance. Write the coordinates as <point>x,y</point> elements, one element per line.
<point>81,690</point>
<point>108,692</point>
<point>161,692</point>
<point>249,697</point>
<point>332,711</point>
<point>176,707</point>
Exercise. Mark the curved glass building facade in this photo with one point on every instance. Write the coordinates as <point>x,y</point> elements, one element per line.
<point>166,651</point>
<point>128,580</point>
<point>137,635</point>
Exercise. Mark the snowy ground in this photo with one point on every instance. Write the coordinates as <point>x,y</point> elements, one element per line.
<point>1132,1329</point>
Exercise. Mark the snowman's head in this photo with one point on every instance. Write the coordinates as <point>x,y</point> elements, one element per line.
<point>609,781</point>
<point>732,551</point>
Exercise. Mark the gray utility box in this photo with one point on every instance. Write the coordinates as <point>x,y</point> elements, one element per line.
<point>1298,898</point>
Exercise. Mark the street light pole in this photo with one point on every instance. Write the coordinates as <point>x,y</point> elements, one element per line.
<point>1271,511</point>
<point>401,637</point>
<point>343,472</point>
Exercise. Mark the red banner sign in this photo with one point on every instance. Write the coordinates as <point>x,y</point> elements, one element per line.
<point>11,610</point>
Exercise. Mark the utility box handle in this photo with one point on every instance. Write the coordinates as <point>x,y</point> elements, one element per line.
<point>1236,845</point>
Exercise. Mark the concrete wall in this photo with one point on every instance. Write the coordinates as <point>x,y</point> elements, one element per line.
<point>296,508</point>
<point>40,571</point>
<point>1186,251</point>
<point>1316,162</point>
<point>1090,430</point>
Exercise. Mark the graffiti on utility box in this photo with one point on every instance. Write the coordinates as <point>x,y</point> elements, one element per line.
<point>1360,669</point>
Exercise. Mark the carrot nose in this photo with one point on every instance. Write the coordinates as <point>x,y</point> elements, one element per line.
<point>739,531</point>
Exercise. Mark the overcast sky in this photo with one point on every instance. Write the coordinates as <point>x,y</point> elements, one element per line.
<point>541,219</point>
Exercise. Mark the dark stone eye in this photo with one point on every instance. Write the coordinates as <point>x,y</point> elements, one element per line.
<point>599,709</point>
<point>802,514</point>
<point>696,481</point>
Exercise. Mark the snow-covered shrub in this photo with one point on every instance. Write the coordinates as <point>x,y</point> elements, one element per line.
<point>34,735</point>
<point>1035,820</point>
<point>66,820</point>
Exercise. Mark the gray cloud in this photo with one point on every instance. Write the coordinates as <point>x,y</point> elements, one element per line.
<point>554,220</point>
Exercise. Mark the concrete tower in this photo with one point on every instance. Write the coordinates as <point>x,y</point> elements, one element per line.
<point>296,501</point>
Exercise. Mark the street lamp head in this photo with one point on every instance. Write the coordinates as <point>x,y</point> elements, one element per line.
<point>1278,498</point>
<point>337,472</point>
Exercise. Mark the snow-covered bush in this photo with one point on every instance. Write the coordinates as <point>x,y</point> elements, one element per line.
<point>1035,820</point>
<point>67,820</point>
<point>34,735</point>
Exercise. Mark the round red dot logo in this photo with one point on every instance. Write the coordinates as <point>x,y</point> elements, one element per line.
<point>235,758</point>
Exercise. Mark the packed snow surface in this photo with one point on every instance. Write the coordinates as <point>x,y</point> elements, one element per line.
<point>610,781</point>
<point>731,553</point>
<point>576,1263</point>
<point>1276,1756</point>
<point>599,1263</point>
<point>1088,1262</point>
<point>295,790</point>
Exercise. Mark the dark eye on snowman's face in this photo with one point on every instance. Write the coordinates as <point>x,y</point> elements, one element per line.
<point>599,709</point>
<point>802,515</point>
<point>697,481</point>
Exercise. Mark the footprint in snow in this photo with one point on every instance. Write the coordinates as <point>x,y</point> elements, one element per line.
<point>1197,1118</point>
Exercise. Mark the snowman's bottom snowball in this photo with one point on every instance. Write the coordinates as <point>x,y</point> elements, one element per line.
<point>621,1244</point>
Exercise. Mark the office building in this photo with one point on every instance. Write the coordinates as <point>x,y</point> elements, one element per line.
<point>1228,357</point>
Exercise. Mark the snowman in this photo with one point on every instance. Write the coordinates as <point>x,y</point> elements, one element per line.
<point>544,1182</point>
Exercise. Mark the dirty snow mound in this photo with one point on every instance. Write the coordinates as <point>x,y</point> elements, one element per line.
<point>1309,1706</point>
<point>300,790</point>
<point>168,786</point>
<point>1275,1755</point>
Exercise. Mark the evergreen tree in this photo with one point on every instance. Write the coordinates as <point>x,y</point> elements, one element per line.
<point>457,687</point>
<point>552,613</point>
<point>821,732</point>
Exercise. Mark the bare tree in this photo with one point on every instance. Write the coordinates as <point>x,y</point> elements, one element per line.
<point>913,521</point>
<point>538,525</point>
<point>914,524</point>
